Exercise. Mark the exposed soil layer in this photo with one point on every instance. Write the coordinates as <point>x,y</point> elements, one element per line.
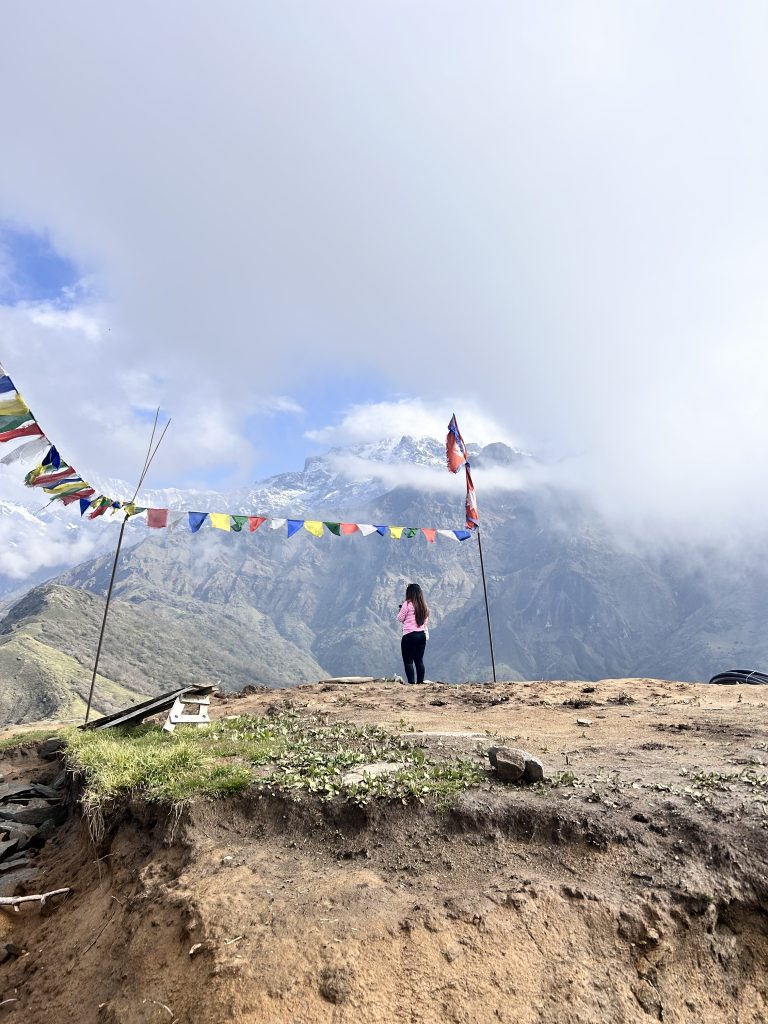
<point>630,892</point>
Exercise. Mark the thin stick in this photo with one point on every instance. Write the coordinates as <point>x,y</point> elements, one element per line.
<point>151,453</point>
<point>487,612</point>
<point>104,620</point>
<point>13,901</point>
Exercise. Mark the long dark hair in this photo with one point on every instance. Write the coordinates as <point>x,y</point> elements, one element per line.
<point>413,593</point>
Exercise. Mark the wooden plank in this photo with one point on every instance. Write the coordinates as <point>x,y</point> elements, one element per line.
<point>136,714</point>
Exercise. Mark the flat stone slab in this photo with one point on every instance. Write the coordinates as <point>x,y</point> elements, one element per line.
<point>373,770</point>
<point>26,791</point>
<point>350,679</point>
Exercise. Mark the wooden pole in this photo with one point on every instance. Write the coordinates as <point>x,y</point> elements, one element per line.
<point>147,463</point>
<point>487,612</point>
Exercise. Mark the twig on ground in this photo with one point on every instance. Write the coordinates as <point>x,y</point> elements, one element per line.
<point>14,901</point>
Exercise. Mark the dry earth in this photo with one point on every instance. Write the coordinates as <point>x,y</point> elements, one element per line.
<point>633,891</point>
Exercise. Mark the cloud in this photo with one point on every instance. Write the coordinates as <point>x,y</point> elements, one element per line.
<point>375,421</point>
<point>555,213</point>
<point>28,545</point>
<point>433,479</point>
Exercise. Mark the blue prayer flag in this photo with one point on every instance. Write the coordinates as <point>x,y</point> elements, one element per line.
<point>85,504</point>
<point>294,525</point>
<point>6,384</point>
<point>462,534</point>
<point>196,520</point>
<point>52,458</point>
<point>382,530</point>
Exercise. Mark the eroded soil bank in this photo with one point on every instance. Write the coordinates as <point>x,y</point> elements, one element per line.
<point>621,900</point>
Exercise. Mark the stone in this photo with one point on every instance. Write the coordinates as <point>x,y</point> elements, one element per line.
<point>10,882</point>
<point>50,749</point>
<point>7,847</point>
<point>373,770</point>
<point>584,721</point>
<point>22,834</point>
<point>509,763</point>
<point>34,812</point>
<point>46,830</point>
<point>26,791</point>
<point>20,860</point>
<point>534,769</point>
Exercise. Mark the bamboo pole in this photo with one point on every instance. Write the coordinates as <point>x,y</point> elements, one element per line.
<point>147,463</point>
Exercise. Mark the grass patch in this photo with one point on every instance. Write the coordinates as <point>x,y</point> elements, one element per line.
<point>281,753</point>
<point>18,739</point>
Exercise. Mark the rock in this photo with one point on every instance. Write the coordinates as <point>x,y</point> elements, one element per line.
<point>50,749</point>
<point>10,881</point>
<point>375,769</point>
<point>20,860</point>
<point>61,780</point>
<point>534,769</point>
<point>509,763</point>
<point>584,721</point>
<point>26,791</point>
<point>46,830</point>
<point>23,834</point>
<point>7,847</point>
<point>34,812</point>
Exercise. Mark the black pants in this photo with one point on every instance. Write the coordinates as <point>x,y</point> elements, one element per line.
<point>412,646</point>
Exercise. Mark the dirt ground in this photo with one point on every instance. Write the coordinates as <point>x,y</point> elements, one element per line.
<point>633,890</point>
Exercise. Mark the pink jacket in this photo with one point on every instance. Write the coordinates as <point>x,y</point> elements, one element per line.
<point>407,616</point>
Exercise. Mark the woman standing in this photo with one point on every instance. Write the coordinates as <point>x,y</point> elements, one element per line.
<point>414,615</point>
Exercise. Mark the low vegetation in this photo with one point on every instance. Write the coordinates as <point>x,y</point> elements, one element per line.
<point>285,752</point>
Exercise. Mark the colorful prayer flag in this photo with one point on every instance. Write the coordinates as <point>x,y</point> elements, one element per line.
<point>33,430</point>
<point>396,532</point>
<point>429,534</point>
<point>157,518</point>
<point>334,528</point>
<point>462,534</point>
<point>275,524</point>
<point>254,522</point>
<point>294,525</point>
<point>238,522</point>
<point>314,527</point>
<point>348,528</point>
<point>366,529</point>
<point>14,406</point>
<point>220,521</point>
<point>6,385</point>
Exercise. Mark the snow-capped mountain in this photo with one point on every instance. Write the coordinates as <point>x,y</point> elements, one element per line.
<point>37,541</point>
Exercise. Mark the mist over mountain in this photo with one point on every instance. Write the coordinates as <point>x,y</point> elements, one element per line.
<point>569,599</point>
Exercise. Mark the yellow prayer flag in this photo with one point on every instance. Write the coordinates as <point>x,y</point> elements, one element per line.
<point>220,520</point>
<point>314,527</point>
<point>15,407</point>
<point>396,532</point>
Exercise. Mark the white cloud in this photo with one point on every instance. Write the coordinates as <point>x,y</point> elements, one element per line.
<point>374,421</point>
<point>556,212</point>
<point>433,479</point>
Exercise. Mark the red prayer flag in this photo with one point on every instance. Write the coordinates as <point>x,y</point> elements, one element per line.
<point>69,498</point>
<point>49,479</point>
<point>429,534</point>
<point>348,528</point>
<point>157,518</point>
<point>98,511</point>
<point>31,430</point>
<point>254,522</point>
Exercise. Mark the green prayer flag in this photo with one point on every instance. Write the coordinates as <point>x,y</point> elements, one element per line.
<point>410,531</point>
<point>237,523</point>
<point>334,528</point>
<point>12,422</point>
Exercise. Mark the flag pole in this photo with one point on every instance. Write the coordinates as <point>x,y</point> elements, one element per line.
<point>147,463</point>
<point>487,612</point>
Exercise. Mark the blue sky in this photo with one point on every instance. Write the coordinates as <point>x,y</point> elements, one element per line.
<point>294,225</point>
